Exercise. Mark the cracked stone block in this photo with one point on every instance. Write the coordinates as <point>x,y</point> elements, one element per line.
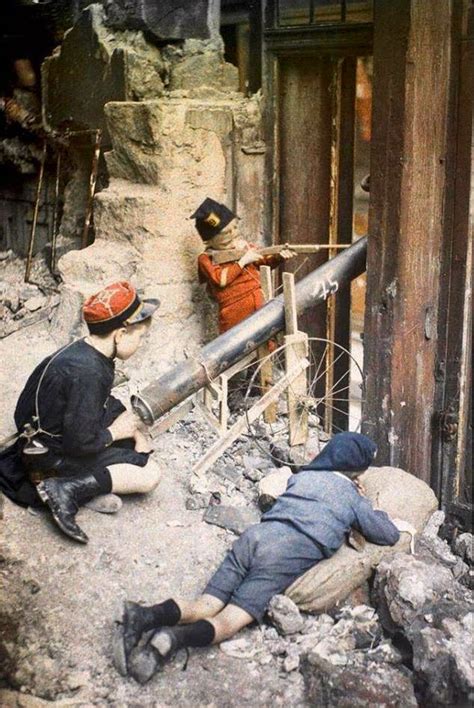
<point>166,19</point>
<point>232,518</point>
<point>421,598</point>
<point>95,66</point>
<point>330,684</point>
<point>285,615</point>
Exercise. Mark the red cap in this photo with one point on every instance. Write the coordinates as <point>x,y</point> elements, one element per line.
<point>116,304</point>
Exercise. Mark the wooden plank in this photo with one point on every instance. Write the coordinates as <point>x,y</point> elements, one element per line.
<point>344,217</point>
<point>296,349</point>
<point>291,314</point>
<point>174,416</point>
<point>412,51</point>
<point>266,282</point>
<point>223,405</point>
<point>452,456</point>
<point>208,415</point>
<point>241,364</point>
<point>216,450</point>
<point>266,366</point>
<point>266,380</point>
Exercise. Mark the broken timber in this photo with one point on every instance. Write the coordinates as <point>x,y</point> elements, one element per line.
<point>252,414</point>
<point>191,375</point>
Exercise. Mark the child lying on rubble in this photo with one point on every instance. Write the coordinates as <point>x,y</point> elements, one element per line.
<point>307,524</point>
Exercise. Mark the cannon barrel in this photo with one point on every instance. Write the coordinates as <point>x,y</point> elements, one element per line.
<point>190,375</point>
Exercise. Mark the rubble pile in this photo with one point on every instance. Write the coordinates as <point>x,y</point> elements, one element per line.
<point>23,304</point>
<point>407,647</point>
<point>401,639</point>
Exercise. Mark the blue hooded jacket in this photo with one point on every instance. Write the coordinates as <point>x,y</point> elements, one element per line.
<point>325,506</point>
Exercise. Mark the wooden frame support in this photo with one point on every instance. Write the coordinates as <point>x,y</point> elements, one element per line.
<point>412,60</point>
<point>217,391</point>
<point>266,367</point>
<point>296,349</point>
<point>216,450</point>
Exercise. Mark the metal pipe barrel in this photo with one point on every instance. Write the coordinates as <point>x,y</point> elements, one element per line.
<point>194,373</point>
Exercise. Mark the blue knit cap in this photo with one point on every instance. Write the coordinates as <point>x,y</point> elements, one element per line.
<point>345,452</point>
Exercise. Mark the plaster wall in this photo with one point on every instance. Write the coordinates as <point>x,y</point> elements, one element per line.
<point>167,156</point>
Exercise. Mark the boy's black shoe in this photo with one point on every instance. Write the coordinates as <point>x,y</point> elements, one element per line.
<point>136,620</point>
<point>151,655</point>
<point>64,496</point>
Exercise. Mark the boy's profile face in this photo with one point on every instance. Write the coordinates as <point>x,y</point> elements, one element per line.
<point>128,339</point>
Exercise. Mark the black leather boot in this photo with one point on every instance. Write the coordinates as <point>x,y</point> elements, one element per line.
<point>64,496</point>
<point>136,620</point>
<point>150,656</point>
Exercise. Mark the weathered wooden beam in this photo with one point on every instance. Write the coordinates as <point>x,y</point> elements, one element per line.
<point>412,52</point>
<point>216,450</point>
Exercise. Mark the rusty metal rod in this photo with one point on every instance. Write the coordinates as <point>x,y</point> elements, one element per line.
<point>54,239</point>
<point>189,376</point>
<point>39,185</point>
<point>92,183</point>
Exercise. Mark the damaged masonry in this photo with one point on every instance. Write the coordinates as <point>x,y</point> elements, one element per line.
<point>118,121</point>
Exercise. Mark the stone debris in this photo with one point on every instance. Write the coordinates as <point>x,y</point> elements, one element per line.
<point>105,504</point>
<point>163,20</point>
<point>197,501</point>
<point>356,686</point>
<point>272,486</point>
<point>23,304</point>
<point>231,518</point>
<point>241,648</point>
<point>421,597</point>
<point>463,546</point>
<point>285,615</point>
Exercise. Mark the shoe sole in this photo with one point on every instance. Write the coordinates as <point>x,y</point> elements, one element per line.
<point>52,506</point>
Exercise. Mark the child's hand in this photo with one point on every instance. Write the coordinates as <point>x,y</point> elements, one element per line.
<point>142,442</point>
<point>124,426</point>
<point>287,253</point>
<point>360,487</point>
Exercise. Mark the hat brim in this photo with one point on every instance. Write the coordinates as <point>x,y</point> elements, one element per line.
<point>146,311</point>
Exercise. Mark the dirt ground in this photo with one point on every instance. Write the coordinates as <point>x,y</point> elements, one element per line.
<point>60,601</point>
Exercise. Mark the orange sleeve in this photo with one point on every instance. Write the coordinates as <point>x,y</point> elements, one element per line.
<point>218,275</point>
<point>272,261</point>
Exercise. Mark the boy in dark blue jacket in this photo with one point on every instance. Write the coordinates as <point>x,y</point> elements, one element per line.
<point>308,523</point>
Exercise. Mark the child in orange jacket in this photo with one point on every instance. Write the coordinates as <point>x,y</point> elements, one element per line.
<point>235,285</point>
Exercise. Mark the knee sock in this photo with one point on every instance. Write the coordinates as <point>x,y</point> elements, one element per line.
<point>197,634</point>
<point>103,479</point>
<point>165,614</point>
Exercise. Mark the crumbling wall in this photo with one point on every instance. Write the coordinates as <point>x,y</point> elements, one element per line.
<point>201,139</point>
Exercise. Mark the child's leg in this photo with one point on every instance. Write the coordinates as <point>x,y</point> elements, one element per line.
<point>203,607</point>
<point>138,619</point>
<point>228,622</point>
<point>201,633</point>
<point>131,479</point>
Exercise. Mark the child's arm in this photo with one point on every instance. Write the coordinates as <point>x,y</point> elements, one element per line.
<point>375,525</point>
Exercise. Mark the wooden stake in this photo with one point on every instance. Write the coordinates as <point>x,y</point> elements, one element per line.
<point>291,315</point>
<point>266,367</point>
<point>296,349</point>
<point>216,450</point>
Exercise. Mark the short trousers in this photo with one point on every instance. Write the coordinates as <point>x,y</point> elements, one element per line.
<point>263,562</point>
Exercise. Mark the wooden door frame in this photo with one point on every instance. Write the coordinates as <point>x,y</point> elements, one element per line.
<point>454,362</point>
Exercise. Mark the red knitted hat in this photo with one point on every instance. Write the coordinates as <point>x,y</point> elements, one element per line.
<point>115,305</point>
